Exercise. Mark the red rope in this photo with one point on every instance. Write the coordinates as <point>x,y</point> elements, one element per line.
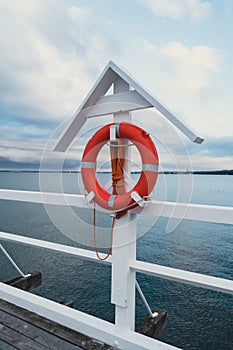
<point>117,152</point>
<point>111,240</point>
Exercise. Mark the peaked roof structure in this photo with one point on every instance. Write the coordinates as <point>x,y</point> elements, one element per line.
<point>97,104</point>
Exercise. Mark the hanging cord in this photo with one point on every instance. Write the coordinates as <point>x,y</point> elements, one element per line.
<point>111,239</point>
<point>117,161</point>
<point>117,153</point>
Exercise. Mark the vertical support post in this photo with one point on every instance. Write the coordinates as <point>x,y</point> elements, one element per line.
<point>124,247</point>
<point>123,278</point>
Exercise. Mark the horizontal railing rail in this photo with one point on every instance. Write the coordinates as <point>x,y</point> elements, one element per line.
<point>91,326</point>
<point>187,277</point>
<point>56,247</point>
<point>187,211</point>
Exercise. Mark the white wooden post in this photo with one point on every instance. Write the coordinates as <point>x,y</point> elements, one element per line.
<point>123,277</point>
<point>124,247</point>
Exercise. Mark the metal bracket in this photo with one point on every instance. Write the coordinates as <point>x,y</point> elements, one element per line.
<point>12,262</point>
<point>113,132</point>
<point>138,199</point>
<point>89,197</point>
<point>152,314</point>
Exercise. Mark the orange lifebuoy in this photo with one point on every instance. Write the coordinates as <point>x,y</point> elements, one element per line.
<point>149,173</point>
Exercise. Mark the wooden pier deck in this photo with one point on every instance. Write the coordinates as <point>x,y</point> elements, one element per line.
<point>23,330</point>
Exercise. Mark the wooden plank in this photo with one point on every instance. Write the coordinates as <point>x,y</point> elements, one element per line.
<point>32,280</point>
<point>153,327</point>
<point>5,346</point>
<point>34,333</point>
<point>18,340</point>
<point>110,104</point>
<point>60,331</point>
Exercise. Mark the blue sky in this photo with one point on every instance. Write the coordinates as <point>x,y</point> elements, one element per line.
<point>53,51</point>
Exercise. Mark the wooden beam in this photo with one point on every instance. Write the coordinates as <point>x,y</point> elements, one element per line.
<point>99,89</point>
<point>195,279</point>
<point>32,280</point>
<point>110,104</point>
<point>80,322</point>
<point>36,330</point>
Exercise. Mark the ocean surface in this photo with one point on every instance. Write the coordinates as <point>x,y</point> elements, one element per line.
<point>197,318</point>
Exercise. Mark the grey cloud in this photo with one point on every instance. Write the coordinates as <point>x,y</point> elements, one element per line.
<point>7,164</point>
<point>214,147</point>
<point>47,61</point>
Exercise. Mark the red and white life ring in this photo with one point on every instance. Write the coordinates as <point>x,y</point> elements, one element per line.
<point>149,173</point>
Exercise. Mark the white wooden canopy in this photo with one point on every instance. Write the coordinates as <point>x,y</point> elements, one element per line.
<point>134,97</point>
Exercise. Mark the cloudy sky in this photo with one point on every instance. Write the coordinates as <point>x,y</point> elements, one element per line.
<point>53,51</point>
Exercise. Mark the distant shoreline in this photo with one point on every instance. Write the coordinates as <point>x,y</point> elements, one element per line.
<point>196,172</point>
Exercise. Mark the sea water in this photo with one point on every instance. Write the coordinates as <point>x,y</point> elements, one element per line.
<point>197,318</point>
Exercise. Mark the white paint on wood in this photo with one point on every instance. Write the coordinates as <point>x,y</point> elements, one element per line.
<point>78,321</point>
<point>187,211</point>
<point>92,105</point>
<point>187,277</point>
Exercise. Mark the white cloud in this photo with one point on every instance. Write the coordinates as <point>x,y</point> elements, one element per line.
<point>43,77</point>
<point>22,144</point>
<point>189,69</point>
<point>54,89</point>
<point>203,162</point>
<point>51,53</point>
<point>20,155</point>
<point>180,72</point>
<point>195,9</point>
<point>47,57</point>
<point>79,15</point>
<point>191,81</point>
<point>148,47</point>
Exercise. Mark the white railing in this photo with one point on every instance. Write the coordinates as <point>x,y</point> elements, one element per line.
<point>118,335</point>
<point>198,212</point>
